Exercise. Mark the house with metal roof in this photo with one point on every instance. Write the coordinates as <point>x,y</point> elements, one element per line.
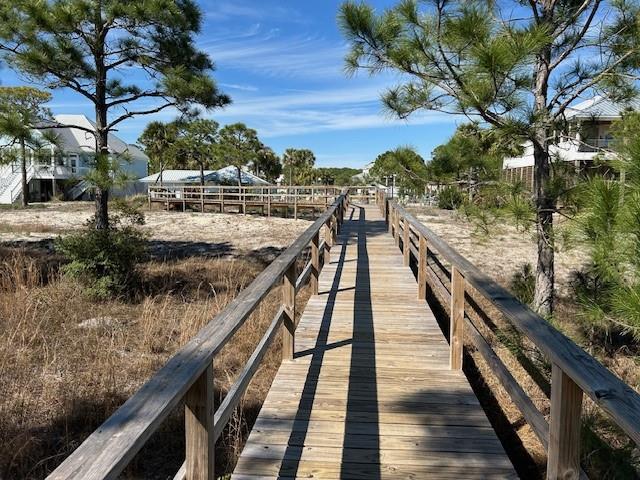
<point>588,135</point>
<point>60,170</point>
<point>223,176</point>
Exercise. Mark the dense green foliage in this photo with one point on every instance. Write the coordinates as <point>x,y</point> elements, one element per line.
<point>406,165</point>
<point>609,225</point>
<point>104,261</point>
<point>450,198</point>
<point>473,154</point>
<point>342,176</point>
<point>298,166</point>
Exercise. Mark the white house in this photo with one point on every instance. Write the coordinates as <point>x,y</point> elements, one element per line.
<point>588,135</point>
<point>63,170</point>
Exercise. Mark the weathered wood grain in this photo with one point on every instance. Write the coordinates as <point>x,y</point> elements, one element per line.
<point>370,391</point>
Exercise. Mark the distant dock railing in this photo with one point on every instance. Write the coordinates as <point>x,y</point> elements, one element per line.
<point>265,199</point>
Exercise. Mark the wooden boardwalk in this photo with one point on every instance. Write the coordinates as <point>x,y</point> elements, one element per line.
<point>369,394</point>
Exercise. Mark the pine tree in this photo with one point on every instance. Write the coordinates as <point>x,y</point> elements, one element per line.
<point>516,65</point>
<point>159,140</point>
<point>239,146</point>
<point>125,58</point>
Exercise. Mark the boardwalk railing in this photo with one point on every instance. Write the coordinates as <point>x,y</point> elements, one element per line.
<point>265,197</point>
<point>188,375</point>
<point>574,371</point>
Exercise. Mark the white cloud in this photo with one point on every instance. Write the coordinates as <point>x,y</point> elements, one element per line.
<point>271,55</point>
<point>244,88</point>
<point>319,110</point>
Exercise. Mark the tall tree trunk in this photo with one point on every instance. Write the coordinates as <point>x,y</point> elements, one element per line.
<point>102,134</point>
<point>239,178</point>
<point>161,171</point>
<point>102,166</point>
<point>201,175</point>
<point>545,203</point>
<point>23,171</point>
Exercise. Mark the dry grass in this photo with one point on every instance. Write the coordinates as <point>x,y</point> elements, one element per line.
<point>67,362</point>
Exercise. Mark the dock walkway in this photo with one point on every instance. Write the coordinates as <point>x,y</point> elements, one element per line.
<point>369,393</point>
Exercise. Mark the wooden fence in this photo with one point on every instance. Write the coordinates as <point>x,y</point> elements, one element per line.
<point>188,375</point>
<point>574,371</point>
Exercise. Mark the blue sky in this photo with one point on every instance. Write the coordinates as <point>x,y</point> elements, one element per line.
<point>282,63</point>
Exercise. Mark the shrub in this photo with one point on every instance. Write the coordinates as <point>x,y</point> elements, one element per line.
<point>450,198</point>
<point>105,261</point>
<point>523,283</point>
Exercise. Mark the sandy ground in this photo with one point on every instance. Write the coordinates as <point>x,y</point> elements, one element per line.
<point>167,230</point>
<point>503,252</point>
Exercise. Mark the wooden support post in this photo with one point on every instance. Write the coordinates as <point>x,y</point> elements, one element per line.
<point>456,330</point>
<point>564,427</point>
<point>334,229</point>
<point>423,256</point>
<point>390,220</point>
<point>289,303</point>
<point>396,227</point>
<point>201,198</point>
<point>295,203</point>
<point>268,202</point>
<point>327,241</point>
<point>243,193</point>
<point>315,262</point>
<point>198,420</point>
<point>406,242</point>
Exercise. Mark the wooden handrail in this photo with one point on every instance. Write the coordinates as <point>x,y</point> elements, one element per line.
<point>108,450</point>
<point>574,370</point>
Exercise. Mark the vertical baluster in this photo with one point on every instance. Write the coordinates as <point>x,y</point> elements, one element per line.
<point>406,242</point>
<point>328,243</point>
<point>315,262</point>
<point>564,427</point>
<point>198,418</point>
<point>456,331</point>
<point>423,256</point>
<point>289,303</point>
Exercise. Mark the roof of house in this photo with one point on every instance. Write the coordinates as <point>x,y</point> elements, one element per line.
<point>226,175</point>
<point>81,141</point>
<point>601,107</point>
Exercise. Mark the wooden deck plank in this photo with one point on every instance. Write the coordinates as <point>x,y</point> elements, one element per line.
<point>369,393</point>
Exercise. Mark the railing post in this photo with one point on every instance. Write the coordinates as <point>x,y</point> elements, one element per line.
<point>243,192</point>
<point>406,242</point>
<point>334,229</point>
<point>564,427</point>
<point>315,262</point>
<point>396,226</point>
<point>389,217</point>
<point>198,420</point>
<point>289,302</point>
<point>456,330</point>
<point>295,203</point>
<point>201,198</point>
<point>423,256</point>
<point>328,243</point>
<point>269,201</point>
